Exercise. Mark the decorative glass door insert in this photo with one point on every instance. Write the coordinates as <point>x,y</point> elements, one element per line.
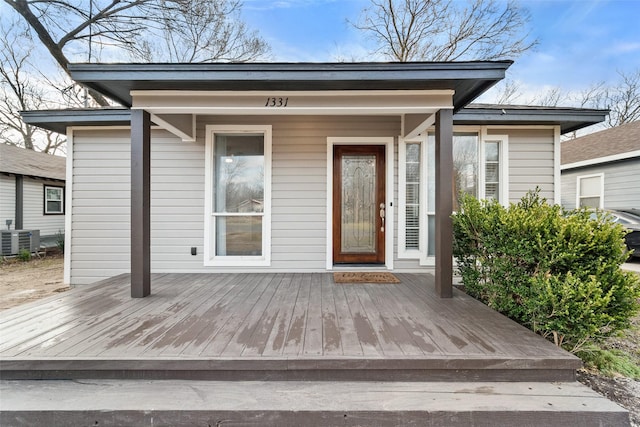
<point>359,204</point>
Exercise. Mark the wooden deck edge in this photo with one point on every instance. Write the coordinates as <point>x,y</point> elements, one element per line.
<point>384,375</point>
<point>147,403</point>
<point>8,364</point>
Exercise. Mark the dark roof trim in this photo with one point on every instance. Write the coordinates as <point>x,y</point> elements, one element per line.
<point>569,119</point>
<point>59,120</point>
<point>468,79</point>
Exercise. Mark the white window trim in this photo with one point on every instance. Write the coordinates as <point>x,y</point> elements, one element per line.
<point>483,137</point>
<point>403,252</point>
<point>503,185</point>
<point>388,142</point>
<point>579,178</point>
<point>210,260</point>
<point>46,205</point>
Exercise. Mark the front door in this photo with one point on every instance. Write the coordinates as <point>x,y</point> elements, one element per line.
<point>359,204</point>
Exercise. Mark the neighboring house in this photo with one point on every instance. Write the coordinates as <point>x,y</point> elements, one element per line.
<point>32,192</point>
<point>291,167</point>
<point>602,170</point>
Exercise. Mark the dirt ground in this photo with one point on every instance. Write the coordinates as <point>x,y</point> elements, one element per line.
<point>21,282</point>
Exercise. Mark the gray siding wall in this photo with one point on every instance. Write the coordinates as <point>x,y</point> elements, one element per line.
<point>7,200</point>
<point>100,240</point>
<point>621,184</point>
<point>531,161</point>
<point>101,201</point>
<point>101,204</point>
<point>33,208</point>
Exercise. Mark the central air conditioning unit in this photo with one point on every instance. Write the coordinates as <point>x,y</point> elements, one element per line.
<point>14,241</point>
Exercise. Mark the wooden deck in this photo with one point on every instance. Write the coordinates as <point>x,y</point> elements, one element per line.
<point>272,326</point>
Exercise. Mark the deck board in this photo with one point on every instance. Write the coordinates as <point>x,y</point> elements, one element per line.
<point>284,321</point>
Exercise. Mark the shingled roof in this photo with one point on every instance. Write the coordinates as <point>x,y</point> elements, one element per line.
<point>19,161</point>
<point>610,142</point>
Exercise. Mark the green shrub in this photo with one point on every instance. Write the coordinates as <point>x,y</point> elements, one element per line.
<point>24,255</point>
<point>556,272</point>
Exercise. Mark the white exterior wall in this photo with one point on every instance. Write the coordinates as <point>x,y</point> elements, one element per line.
<point>7,200</point>
<point>621,184</point>
<point>101,208</point>
<point>33,217</point>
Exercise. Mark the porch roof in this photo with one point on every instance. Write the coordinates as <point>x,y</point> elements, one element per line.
<point>569,119</point>
<point>468,79</point>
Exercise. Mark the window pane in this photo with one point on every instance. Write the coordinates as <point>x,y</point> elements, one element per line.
<point>239,177</point>
<point>465,165</point>
<point>590,202</point>
<point>54,207</point>
<point>590,186</point>
<point>493,173</point>
<point>239,236</point>
<point>54,194</point>
<point>491,151</point>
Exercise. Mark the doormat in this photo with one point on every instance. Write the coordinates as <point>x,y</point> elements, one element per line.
<point>358,277</point>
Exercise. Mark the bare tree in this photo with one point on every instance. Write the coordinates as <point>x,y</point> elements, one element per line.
<point>64,25</point>
<point>623,99</point>
<point>444,30</point>
<point>21,91</point>
<point>509,92</point>
<point>210,31</point>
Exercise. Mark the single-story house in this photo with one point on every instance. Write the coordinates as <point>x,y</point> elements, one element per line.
<point>602,169</point>
<point>291,167</point>
<point>32,192</point>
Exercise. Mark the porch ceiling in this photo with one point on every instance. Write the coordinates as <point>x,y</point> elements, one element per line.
<point>467,79</point>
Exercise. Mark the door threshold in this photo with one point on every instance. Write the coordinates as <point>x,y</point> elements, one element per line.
<point>359,267</point>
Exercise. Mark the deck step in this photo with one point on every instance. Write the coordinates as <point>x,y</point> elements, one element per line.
<point>452,369</point>
<point>294,403</point>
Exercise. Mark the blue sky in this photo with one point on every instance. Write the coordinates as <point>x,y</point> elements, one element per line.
<point>580,41</point>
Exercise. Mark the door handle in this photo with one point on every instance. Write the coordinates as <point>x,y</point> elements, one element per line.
<point>382,215</point>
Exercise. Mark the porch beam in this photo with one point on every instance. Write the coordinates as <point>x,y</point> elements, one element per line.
<point>140,204</point>
<point>444,203</point>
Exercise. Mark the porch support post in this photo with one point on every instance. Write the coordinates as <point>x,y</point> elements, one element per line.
<point>444,203</point>
<point>140,204</point>
<point>18,225</point>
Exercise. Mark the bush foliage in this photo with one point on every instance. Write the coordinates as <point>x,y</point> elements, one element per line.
<point>554,271</point>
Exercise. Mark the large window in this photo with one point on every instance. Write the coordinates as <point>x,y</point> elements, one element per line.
<point>478,165</point>
<point>238,200</point>
<point>53,200</point>
<point>590,189</point>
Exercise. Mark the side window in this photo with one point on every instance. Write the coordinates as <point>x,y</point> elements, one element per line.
<point>589,191</point>
<point>53,200</point>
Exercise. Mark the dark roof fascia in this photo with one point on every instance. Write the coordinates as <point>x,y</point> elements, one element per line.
<point>569,119</point>
<point>59,120</point>
<point>468,79</point>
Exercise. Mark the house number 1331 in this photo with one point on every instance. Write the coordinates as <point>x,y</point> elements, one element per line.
<point>276,102</point>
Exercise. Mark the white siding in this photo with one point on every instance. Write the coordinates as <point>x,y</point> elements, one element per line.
<point>33,217</point>
<point>621,184</point>
<point>100,235</point>
<point>530,161</point>
<point>7,200</point>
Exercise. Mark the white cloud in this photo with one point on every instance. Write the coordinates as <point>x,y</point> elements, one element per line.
<point>625,47</point>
